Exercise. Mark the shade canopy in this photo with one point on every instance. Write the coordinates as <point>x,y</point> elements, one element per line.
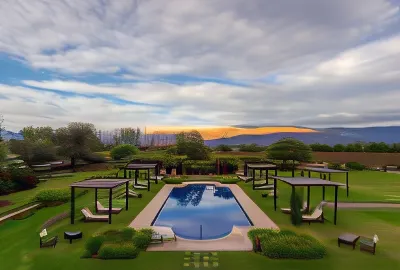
<point>261,166</point>
<point>308,182</point>
<point>304,182</point>
<point>99,183</point>
<point>135,166</point>
<point>323,170</point>
<point>96,184</point>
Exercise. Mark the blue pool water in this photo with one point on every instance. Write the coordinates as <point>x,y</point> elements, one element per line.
<point>212,208</point>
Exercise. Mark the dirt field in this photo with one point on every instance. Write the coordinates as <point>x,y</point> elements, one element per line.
<point>368,159</point>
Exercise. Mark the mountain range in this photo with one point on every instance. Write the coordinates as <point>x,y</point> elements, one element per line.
<point>269,135</point>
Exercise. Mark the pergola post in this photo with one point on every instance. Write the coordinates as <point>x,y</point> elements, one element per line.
<point>72,205</point>
<point>329,176</point>
<point>323,193</point>
<point>130,174</point>
<point>266,176</point>
<point>275,182</point>
<point>156,171</point>
<point>308,199</point>
<point>254,178</point>
<point>148,179</point>
<point>126,195</point>
<point>95,199</point>
<point>125,173</point>
<point>110,206</point>
<point>309,174</point>
<point>245,168</point>
<point>336,195</point>
<point>347,183</point>
<point>136,176</point>
<point>276,172</point>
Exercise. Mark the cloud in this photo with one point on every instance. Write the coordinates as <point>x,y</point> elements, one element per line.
<point>312,63</point>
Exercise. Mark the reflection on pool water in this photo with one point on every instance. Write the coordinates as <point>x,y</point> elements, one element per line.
<point>201,212</point>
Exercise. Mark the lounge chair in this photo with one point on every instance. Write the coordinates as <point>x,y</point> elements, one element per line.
<point>288,210</point>
<point>90,217</point>
<point>316,216</point>
<point>134,194</point>
<point>162,234</point>
<point>102,210</point>
<point>264,187</point>
<point>159,177</point>
<point>368,244</point>
<point>245,178</point>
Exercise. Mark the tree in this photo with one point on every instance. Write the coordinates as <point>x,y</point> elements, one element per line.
<point>317,147</point>
<point>1,127</point>
<point>192,145</point>
<point>123,150</point>
<point>3,151</point>
<point>339,148</point>
<point>295,207</point>
<point>76,140</point>
<point>377,147</point>
<point>289,149</point>
<point>251,148</point>
<point>38,134</point>
<point>223,148</point>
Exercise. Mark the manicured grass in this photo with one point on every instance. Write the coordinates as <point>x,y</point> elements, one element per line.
<point>19,248</point>
<point>23,197</point>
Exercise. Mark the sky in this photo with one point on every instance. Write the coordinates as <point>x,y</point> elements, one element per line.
<point>128,63</point>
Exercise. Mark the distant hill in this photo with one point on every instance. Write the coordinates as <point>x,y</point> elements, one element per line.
<point>8,135</point>
<point>246,135</point>
<point>329,136</point>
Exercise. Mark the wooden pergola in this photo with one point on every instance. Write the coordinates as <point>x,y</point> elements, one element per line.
<point>307,182</point>
<point>144,167</point>
<point>325,171</point>
<point>97,184</point>
<point>261,167</point>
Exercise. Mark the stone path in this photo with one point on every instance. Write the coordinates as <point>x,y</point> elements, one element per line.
<point>364,205</point>
<point>11,215</point>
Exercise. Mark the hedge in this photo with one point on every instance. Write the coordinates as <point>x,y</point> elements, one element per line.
<point>94,243</point>
<point>123,150</point>
<point>118,251</point>
<point>287,244</point>
<point>142,239</point>
<point>53,195</point>
<point>355,166</point>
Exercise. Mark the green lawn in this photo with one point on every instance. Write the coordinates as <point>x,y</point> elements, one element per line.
<point>19,248</point>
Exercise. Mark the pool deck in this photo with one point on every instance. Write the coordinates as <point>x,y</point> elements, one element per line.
<point>236,241</point>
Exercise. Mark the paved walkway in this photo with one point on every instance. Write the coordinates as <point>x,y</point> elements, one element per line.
<point>364,205</point>
<point>11,215</point>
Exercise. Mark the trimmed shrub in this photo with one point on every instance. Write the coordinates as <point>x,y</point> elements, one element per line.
<point>173,150</point>
<point>86,254</point>
<point>23,178</point>
<point>287,244</point>
<point>53,195</point>
<point>142,239</point>
<point>355,166</point>
<point>295,207</point>
<point>228,179</point>
<point>127,233</point>
<point>94,243</point>
<point>123,151</point>
<point>118,251</point>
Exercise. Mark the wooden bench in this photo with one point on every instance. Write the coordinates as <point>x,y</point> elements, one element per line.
<point>245,178</point>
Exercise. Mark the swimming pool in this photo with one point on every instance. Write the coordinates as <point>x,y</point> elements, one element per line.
<point>201,212</point>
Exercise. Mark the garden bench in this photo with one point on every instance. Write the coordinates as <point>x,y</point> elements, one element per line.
<point>348,239</point>
<point>368,244</point>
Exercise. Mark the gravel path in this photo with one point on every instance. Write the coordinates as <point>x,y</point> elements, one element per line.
<point>364,205</point>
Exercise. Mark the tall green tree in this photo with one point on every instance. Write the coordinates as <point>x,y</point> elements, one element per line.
<point>1,127</point>
<point>339,148</point>
<point>192,145</point>
<point>77,140</point>
<point>3,151</point>
<point>38,134</point>
<point>289,149</point>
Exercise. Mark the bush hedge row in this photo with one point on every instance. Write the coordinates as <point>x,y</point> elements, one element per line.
<point>287,244</point>
<point>125,243</point>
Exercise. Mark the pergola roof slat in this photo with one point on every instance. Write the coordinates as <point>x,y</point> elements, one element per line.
<point>261,166</point>
<point>301,181</point>
<point>99,183</point>
<point>323,170</point>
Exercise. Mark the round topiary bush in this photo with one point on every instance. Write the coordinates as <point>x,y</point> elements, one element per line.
<point>118,251</point>
<point>123,151</point>
<point>142,240</point>
<point>94,243</point>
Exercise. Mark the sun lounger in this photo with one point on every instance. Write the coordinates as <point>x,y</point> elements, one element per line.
<point>162,234</point>
<point>316,216</point>
<point>102,210</point>
<point>264,187</point>
<point>90,217</point>
<point>245,178</point>
<point>134,194</point>
<point>159,178</point>
<point>368,244</point>
<point>288,210</point>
